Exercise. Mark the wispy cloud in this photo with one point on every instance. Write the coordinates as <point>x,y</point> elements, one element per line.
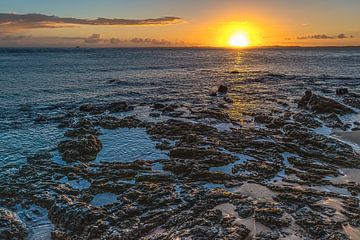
<point>29,21</point>
<point>324,36</point>
<point>93,40</point>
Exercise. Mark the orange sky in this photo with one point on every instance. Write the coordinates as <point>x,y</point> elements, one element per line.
<point>201,23</point>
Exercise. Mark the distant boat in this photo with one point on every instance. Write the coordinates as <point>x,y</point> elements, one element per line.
<point>77,46</point>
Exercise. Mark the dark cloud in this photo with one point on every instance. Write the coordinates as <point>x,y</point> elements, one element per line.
<point>13,38</point>
<point>324,36</point>
<point>95,38</point>
<point>28,21</point>
<point>117,41</point>
<point>150,41</point>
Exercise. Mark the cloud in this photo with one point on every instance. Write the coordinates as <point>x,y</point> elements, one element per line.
<point>150,41</point>
<point>30,21</point>
<point>95,38</point>
<point>324,36</point>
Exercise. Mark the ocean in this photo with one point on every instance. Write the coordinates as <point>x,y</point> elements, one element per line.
<point>51,81</point>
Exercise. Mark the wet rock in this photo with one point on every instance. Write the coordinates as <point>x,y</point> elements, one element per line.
<point>158,106</point>
<point>119,107</point>
<point>191,153</point>
<point>154,114</point>
<point>268,236</point>
<point>352,100</point>
<point>40,157</point>
<point>222,89</point>
<point>84,148</point>
<point>41,119</point>
<point>74,217</point>
<point>342,91</point>
<point>245,210</point>
<point>320,104</point>
<point>228,100</point>
<point>307,119</point>
<point>333,121</point>
<point>271,216</point>
<point>111,122</point>
<point>90,108</point>
<point>313,222</point>
<point>11,227</point>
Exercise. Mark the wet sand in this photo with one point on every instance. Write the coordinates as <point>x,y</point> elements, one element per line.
<point>353,137</point>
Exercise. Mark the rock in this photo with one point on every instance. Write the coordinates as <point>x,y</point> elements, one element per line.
<point>352,100</point>
<point>159,106</point>
<point>333,121</point>
<point>119,107</point>
<point>41,119</point>
<point>223,89</point>
<point>228,100</point>
<point>40,157</point>
<point>11,227</point>
<point>84,148</point>
<point>320,104</point>
<point>89,108</point>
<point>307,120</point>
<point>342,91</point>
<point>191,153</point>
<point>272,217</point>
<point>154,115</point>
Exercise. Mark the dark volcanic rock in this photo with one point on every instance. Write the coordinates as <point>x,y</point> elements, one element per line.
<point>320,104</point>
<point>352,100</point>
<point>342,91</point>
<point>91,109</point>
<point>191,153</point>
<point>84,148</point>
<point>119,107</point>
<point>11,227</point>
<point>223,89</point>
<point>111,122</point>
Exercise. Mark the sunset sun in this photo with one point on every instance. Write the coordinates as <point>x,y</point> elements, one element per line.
<point>239,40</point>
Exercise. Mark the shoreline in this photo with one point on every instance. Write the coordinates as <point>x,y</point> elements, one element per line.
<point>257,172</point>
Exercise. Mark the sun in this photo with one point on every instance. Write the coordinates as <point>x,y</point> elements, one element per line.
<point>239,40</point>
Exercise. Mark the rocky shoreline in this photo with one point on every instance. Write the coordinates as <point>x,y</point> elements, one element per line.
<point>270,175</point>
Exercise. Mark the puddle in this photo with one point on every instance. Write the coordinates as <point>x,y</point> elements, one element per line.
<point>228,168</point>
<point>79,184</point>
<point>348,175</point>
<point>351,138</point>
<point>128,145</point>
<point>269,140</point>
<point>225,127</point>
<point>157,167</point>
<point>37,221</point>
<point>103,199</point>
<point>213,185</point>
<point>281,174</point>
<point>326,131</point>
<point>255,191</point>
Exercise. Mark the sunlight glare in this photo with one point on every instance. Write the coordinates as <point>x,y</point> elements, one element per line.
<point>239,40</point>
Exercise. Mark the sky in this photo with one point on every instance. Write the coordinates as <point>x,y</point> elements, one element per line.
<point>148,23</point>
